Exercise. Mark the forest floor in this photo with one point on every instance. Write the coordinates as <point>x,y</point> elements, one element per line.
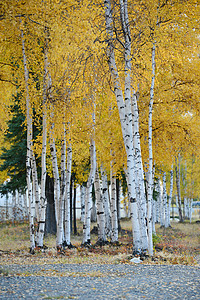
<point>101,272</point>
<point>179,244</point>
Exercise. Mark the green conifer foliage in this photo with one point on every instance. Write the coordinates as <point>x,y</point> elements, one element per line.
<point>14,158</point>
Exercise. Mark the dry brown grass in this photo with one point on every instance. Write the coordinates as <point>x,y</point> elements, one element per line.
<point>177,245</point>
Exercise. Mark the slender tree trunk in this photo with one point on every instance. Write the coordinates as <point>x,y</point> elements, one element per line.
<point>43,201</point>
<point>177,168</point>
<point>113,206</point>
<point>100,210</point>
<point>82,190</point>
<point>118,202</point>
<point>74,216</point>
<point>190,211</point>
<point>150,171</point>
<point>170,195</point>
<point>124,108</point>
<point>36,193</point>
<point>153,216</point>
<point>105,199</point>
<point>71,202</point>
<point>157,189</point>
<point>29,149</point>
<point>140,187</point>
<point>165,201</point>
<point>162,212</point>
<point>67,199</point>
<point>88,202</point>
<point>60,227</point>
<point>57,192</point>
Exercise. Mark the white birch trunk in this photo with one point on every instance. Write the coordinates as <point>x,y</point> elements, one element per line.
<point>140,188</point>
<point>60,228</point>
<point>67,198</point>
<point>105,199</point>
<point>36,197</point>
<point>124,109</point>
<point>88,200</point>
<point>43,202</point>
<point>165,201</point>
<point>157,202</point>
<point>36,193</point>
<point>154,216</point>
<point>57,190</point>
<point>185,207</point>
<point>29,149</point>
<point>150,171</point>
<point>179,187</point>
<point>162,211</point>
<point>82,191</point>
<point>113,206</point>
<point>170,196</point>
<point>190,211</point>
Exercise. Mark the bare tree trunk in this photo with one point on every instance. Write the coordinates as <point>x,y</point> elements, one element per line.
<point>100,210</point>
<point>88,202</point>
<point>74,214</point>
<point>177,168</point>
<point>105,198</point>
<point>82,190</point>
<point>67,198</point>
<point>150,171</point>
<point>170,195</point>
<point>113,206</point>
<point>29,149</point>
<point>165,201</point>
<point>124,108</point>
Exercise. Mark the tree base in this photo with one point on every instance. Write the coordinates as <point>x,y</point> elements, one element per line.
<point>101,243</point>
<point>69,246</point>
<point>86,244</point>
<point>31,251</point>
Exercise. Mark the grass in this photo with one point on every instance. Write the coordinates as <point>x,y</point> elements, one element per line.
<point>179,244</point>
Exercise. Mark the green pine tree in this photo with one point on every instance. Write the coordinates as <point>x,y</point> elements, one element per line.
<point>14,158</point>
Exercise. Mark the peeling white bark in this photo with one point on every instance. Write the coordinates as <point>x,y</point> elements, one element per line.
<point>67,197</point>
<point>124,108</point>
<point>100,209</point>
<point>170,195</point>
<point>106,204</point>
<point>113,206</point>
<point>88,202</point>
<point>29,149</point>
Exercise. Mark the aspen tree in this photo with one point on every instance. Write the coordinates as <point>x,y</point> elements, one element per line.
<point>82,190</point>
<point>67,225</point>
<point>177,168</point>
<point>170,195</point>
<point>100,210</point>
<point>106,203</point>
<point>113,207</point>
<point>88,198</point>
<point>46,89</point>
<point>140,187</point>
<point>29,149</point>
<point>165,201</point>
<point>124,108</point>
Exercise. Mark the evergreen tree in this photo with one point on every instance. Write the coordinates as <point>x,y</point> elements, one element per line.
<point>14,158</point>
